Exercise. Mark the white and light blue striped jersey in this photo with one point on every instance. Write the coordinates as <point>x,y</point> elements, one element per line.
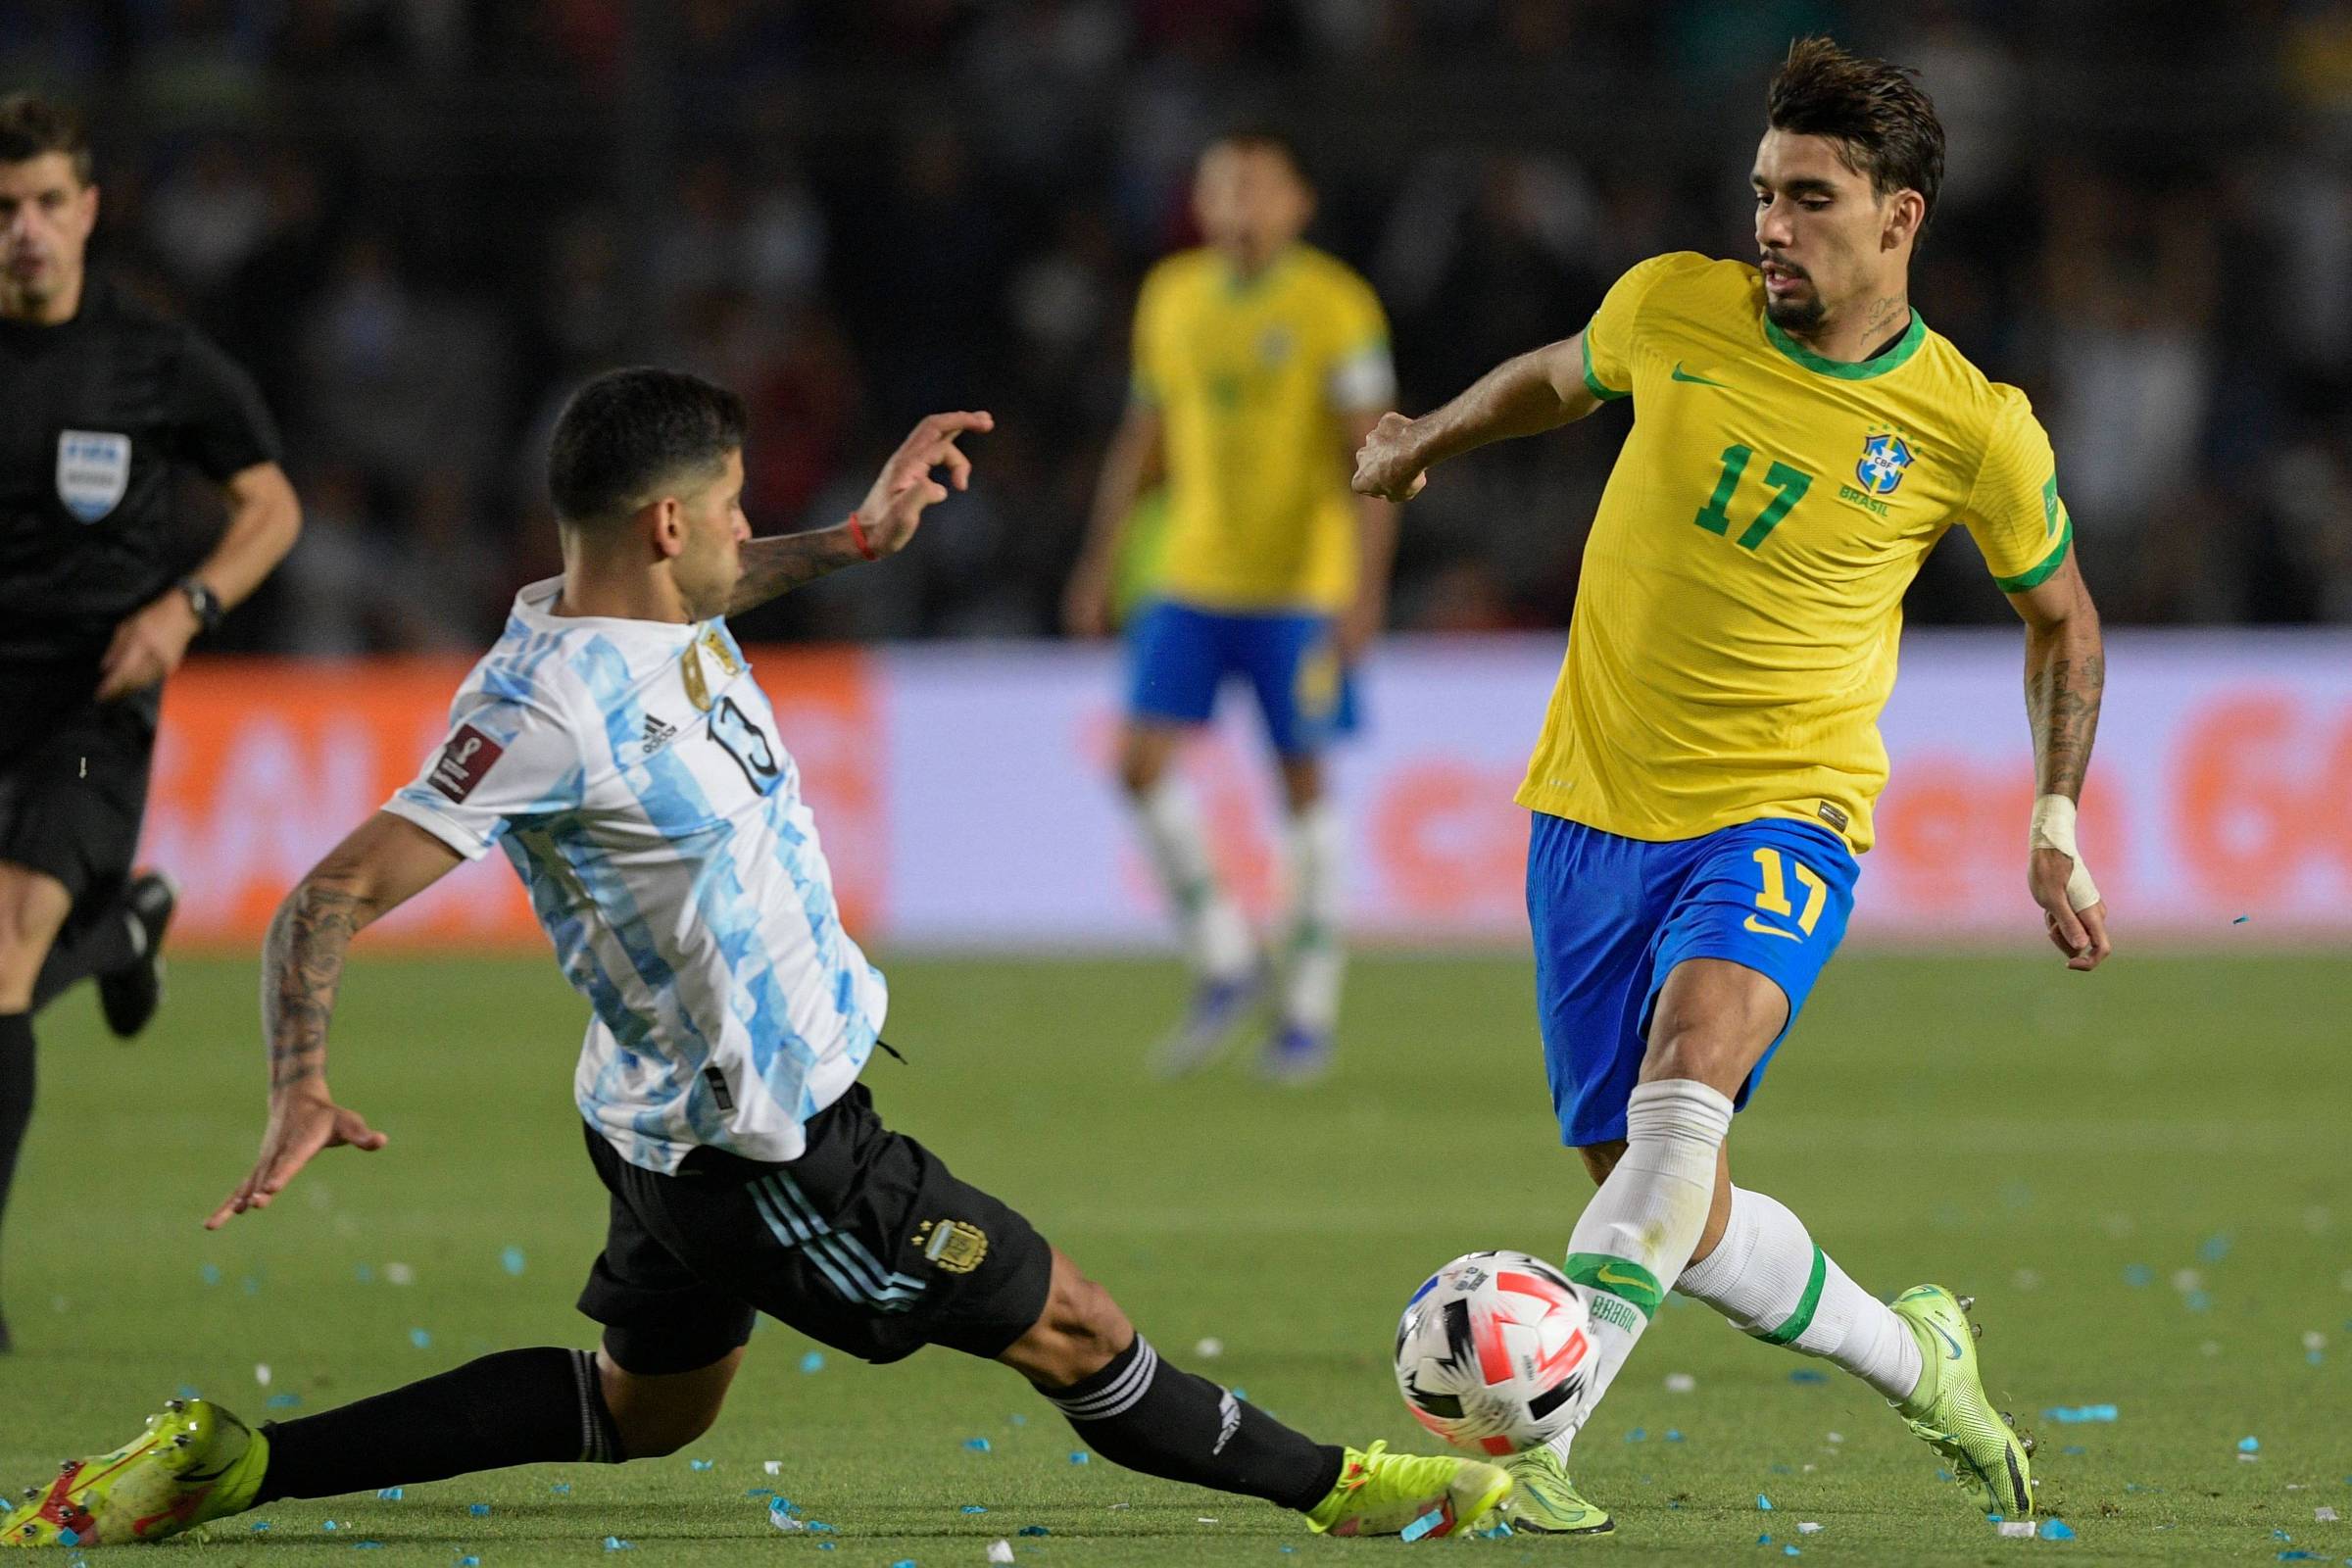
<point>632,771</point>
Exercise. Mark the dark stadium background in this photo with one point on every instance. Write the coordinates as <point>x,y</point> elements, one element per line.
<point>419,221</point>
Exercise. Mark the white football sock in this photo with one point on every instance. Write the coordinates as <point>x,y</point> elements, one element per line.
<point>1767,1276</point>
<point>1216,937</point>
<point>1313,956</point>
<point>1641,1228</point>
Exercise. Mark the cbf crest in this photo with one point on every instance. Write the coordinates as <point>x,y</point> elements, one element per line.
<point>1885,456</point>
<point>93,470</point>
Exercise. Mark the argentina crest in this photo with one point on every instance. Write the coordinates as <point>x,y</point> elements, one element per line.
<point>1885,456</point>
<point>93,470</point>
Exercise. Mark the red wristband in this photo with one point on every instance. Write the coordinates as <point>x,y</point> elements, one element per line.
<point>857,538</point>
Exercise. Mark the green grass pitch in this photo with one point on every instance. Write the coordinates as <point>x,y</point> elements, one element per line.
<point>2141,1175</point>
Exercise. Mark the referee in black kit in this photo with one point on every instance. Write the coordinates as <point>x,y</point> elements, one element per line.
<point>101,400</point>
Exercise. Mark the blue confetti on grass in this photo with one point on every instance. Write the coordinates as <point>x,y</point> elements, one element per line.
<point>421,1339</point>
<point>366,1545</point>
<point>2198,1301</point>
<point>1790,1551</point>
<point>2077,1414</point>
<point>282,1401</point>
<point>1079,1457</point>
<point>479,1510</point>
<point>363,1273</point>
<point>2138,1275</point>
<point>390,1493</point>
<point>187,1393</point>
<point>1763,1502</point>
<point>616,1543</point>
<point>562,1489</point>
<point>1034,1530</point>
<point>1637,1435</point>
<point>903,1562</point>
<point>512,1261</point>
<point>2073,1449</point>
<point>260,1527</point>
<point>976,1507</point>
<point>1017,1419</point>
<point>470,1562</point>
<point>1422,1525</point>
<point>2249,1444</point>
<point>764,1491</point>
<point>250,1285</point>
<point>701,1464</point>
<point>2055,1529</point>
<point>210,1273</point>
<point>2281,1535</point>
<point>2214,1248</point>
<point>814,1361</point>
<point>2298,1555</point>
<point>1674,1434</point>
<point>978,1444</point>
<point>1807,1374</point>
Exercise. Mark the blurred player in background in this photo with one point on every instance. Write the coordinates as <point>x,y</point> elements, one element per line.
<point>617,747</point>
<point>1705,776</point>
<point>1259,363</point>
<point>102,402</point>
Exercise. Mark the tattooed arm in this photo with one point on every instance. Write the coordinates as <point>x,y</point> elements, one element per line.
<point>2066,672</point>
<point>784,561</point>
<point>386,862</point>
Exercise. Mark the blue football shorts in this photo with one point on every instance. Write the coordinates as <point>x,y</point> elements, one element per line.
<point>1612,917</point>
<point>1178,656</point>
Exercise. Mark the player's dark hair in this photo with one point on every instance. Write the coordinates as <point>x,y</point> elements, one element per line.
<point>629,432</point>
<point>32,126</point>
<point>1884,125</point>
<point>1259,136</point>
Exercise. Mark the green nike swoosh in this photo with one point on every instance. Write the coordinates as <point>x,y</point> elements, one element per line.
<point>1700,379</point>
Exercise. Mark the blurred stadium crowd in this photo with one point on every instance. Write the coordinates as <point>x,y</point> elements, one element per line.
<point>419,221</point>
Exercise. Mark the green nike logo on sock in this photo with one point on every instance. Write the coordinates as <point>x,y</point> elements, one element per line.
<point>1620,1277</point>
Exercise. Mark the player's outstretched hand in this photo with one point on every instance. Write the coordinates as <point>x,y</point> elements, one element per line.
<point>894,508</point>
<point>2080,934</point>
<point>299,1128</point>
<point>1385,465</point>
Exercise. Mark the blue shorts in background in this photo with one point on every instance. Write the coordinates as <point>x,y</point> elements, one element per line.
<point>1178,656</point>
<point>1612,917</point>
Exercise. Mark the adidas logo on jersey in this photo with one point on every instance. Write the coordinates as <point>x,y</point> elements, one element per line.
<point>657,734</point>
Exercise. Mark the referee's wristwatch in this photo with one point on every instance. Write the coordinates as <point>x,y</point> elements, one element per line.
<point>203,601</point>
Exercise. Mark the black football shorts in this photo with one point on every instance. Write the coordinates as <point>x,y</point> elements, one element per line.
<point>866,1243</point>
<point>72,775</point>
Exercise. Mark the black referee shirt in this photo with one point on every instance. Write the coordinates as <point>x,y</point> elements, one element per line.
<point>94,415</point>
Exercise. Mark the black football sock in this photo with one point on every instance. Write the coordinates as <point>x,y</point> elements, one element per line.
<point>15,1101</point>
<point>94,944</point>
<point>1141,1412</point>
<point>541,1406</point>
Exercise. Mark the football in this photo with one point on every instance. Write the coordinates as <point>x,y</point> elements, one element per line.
<point>1493,1354</point>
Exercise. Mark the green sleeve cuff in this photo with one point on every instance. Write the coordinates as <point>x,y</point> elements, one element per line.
<point>2035,575</point>
<point>1591,381</point>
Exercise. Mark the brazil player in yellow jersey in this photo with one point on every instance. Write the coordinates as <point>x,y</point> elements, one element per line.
<point>1704,779</point>
<point>1260,362</point>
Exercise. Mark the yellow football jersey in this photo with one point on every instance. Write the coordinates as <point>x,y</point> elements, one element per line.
<point>1735,631</point>
<point>1251,376</point>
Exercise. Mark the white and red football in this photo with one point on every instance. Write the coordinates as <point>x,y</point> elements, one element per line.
<point>1492,1353</point>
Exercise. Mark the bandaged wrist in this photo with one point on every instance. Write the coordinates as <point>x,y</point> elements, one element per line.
<point>2054,829</point>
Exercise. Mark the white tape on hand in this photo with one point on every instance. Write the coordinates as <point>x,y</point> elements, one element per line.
<point>2054,829</point>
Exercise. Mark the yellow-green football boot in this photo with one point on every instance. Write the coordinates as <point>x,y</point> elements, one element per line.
<point>1547,1501</point>
<point>1384,1494</point>
<point>1949,1410</point>
<point>195,1463</point>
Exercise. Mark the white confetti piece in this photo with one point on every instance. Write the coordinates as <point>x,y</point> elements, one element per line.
<point>1679,1383</point>
<point>2017,1529</point>
<point>399,1274</point>
<point>1000,1552</point>
<point>260,1374</point>
<point>1209,1349</point>
<point>774,1467</point>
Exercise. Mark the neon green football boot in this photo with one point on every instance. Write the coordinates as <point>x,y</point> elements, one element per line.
<point>1547,1501</point>
<point>1949,1410</point>
<point>195,1463</point>
<point>1384,1494</point>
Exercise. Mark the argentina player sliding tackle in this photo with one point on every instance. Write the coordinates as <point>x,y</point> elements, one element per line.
<point>617,747</point>
<point>1704,781</point>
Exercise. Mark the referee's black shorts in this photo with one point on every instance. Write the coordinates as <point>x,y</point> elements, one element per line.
<point>72,774</point>
<point>866,1243</point>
